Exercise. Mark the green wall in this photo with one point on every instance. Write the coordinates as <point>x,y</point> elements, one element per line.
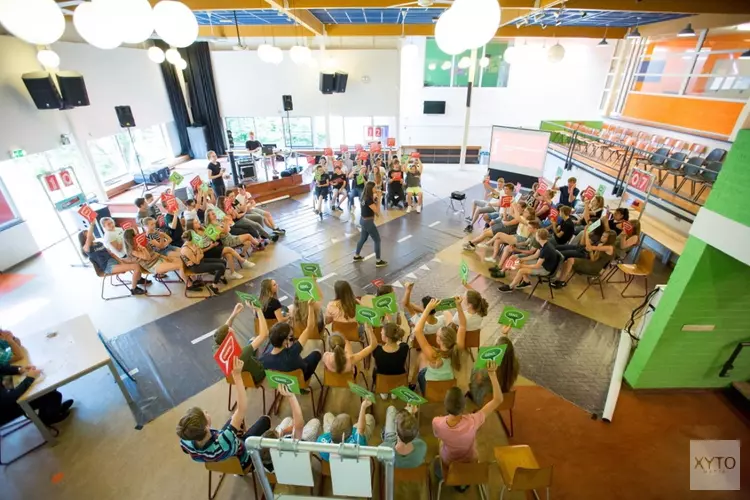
<point>553,125</point>
<point>731,192</point>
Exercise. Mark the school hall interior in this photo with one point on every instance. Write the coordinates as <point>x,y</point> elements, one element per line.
<point>222,224</point>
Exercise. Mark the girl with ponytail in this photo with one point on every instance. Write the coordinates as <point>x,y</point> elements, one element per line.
<point>340,358</point>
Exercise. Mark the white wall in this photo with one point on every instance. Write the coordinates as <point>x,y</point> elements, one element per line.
<point>246,86</point>
<point>536,91</point>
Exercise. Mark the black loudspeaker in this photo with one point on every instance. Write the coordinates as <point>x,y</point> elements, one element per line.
<point>287,102</point>
<point>125,116</point>
<point>326,83</point>
<point>73,89</point>
<point>42,89</point>
<point>339,82</point>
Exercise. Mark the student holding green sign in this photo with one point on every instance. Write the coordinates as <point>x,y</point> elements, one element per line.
<point>480,385</point>
<point>285,355</point>
<point>215,250</point>
<point>588,260</point>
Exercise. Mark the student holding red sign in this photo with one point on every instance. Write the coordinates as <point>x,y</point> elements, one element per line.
<point>588,260</point>
<point>414,186</point>
<point>396,181</point>
<point>627,239</point>
<point>107,263</point>
<point>158,241</point>
<point>565,230</point>
<point>150,260</point>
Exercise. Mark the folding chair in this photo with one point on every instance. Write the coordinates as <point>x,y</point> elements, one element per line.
<point>303,384</point>
<point>643,267</point>
<point>229,466</point>
<point>692,171</point>
<point>14,425</point>
<point>595,279</point>
<point>466,474</point>
<point>336,380</point>
<point>520,470</point>
<point>209,294</point>
<point>247,380</point>
<point>384,384</point>
<point>548,279</point>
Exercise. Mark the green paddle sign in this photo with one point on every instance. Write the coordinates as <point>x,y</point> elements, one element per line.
<point>464,272</point>
<point>386,304</point>
<point>513,317</point>
<point>311,269</point>
<point>559,172</point>
<point>212,232</point>
<point>600,190</point>
<point>176,178</point>
<point>275,379</point>
<point>367,315</point>
<point>361,392</point>
<point>594,225</point>
<point>408,396</point>
<point>305,289</point>
<point>486,354</point>
<point>249,298</point>
<point>445,304</point>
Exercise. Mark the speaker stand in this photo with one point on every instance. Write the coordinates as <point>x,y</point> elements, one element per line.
<point>146,182</point>
<point>291,145</point>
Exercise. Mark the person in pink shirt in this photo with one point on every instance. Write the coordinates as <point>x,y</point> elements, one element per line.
<point>458,432</point>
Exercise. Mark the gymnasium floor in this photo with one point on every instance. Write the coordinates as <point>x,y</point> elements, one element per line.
<point>566,349</point>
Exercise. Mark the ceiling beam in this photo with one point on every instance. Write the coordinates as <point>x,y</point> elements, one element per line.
<point>669,6</point>
<point>302,17</point>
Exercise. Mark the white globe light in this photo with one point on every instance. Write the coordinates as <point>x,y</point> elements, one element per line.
<point>479,20</point>
<point>40,22</point>
<point>48,58</point>
<point>300,54</point>
<point>464,62</point>
<point>276,55</point>
<point>556,53</point>
<point>156,55</point>
<point>264,52</point>
<point>409,51</point>
<point>173,55</point>
<point>175,23</point>
<point>510,54</point>
<point>446,65</point>
<point>449,34</point>
<point>484,62</point>
<point>98,24</point>
<point>135,18</point>
<point>181,64</point>
<point>431,66</point>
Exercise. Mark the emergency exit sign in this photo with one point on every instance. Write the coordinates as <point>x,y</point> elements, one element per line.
<point>17,153</point>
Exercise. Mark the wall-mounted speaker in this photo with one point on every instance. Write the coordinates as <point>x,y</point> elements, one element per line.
<point>73,89</point>
<point>339,81</point>
<point>287,100</point>
<point>43,90</point>
<point>326,83</point>
<point>125,116</point>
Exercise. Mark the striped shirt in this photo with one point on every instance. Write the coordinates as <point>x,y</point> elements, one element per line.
<point>223,444</point>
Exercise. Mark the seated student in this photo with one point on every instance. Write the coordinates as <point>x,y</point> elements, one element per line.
<point>625,241</point>
<point>476,309</point>
<point>527,251</point>
<point>143,211</point>
<point>293,427</point>
<point>521,233</point>
<point>339,184</point>
<point>338,429</point>
<point>191,210</point>
<point>158,241</point>
<point>153,205</point>
<point>592,210</point>
<point>322,189</point>
<point>254,212</point>
<point>589,259</point>
<point>300,309</point>
<point>568,194</point>
<point>249,222</point>
<point>205,444</point>
<point>544,265</point>
<point>434,322</point>
<point>502,240</point>
<point>490,207</point>
<point>240,225</point>
<point>196,262</point>
<point>285,356</point>
<point>544,204</point>
<point>50,407</point>
<point>613,221</point>
<point>343,308</point>
<point>491,195</point>
<point>269,299</point>
<point>229,240</point>
<point>173,225</point>
<point>107,263</point>
<point>401,432</point>
<point>479,383</point>
<point>531,196</point>
<point>396,186</point>
<point>390,357</point>
<point>340,358</point>
<point>414,194</point>
<point>217,250</point>
<point>10,348</point>
<point>395,318</point>
<point>443,362</point>
<point>249,352</point>
<point>456,431</point>
<point>150,260</point>
<point>565,229</point>
<point>506,222</point>
<point>113,238</point>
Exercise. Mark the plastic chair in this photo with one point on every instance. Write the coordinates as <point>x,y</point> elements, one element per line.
<point>247,380</point>
<point>673,166</point>
<point>471,341</point>
<point>657,158</point>
<point>229,466</point>
<point>642,267</point>
<point>435,390</point>
<point>466,474</point>
<point>520,470</point>
<point>691,172</point>
<point>303,384</point>
<point>708,177</point>
<point>716,154</point>
<point>14,425</point>
<point>548,279</point>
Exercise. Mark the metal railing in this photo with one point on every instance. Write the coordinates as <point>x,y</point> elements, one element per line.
<point>729,364</point>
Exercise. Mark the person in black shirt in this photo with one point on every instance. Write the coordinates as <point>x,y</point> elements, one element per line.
<point>544,266</point>
<point>272,308</point>
<point>339,183</point>
<point>51,407</point>
<point>564,230</point>
<point>253,146</point>
<point>216,174</point>
<point>396,181</point>
<point>568,194</point>
<point>370,209</point>
<point>322,189</point>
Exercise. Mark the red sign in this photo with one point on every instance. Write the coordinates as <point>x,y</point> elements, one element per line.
<point>415,154</point>
<point>128,225</point>
<point>588,193</point>
<point>160,220</point>
<point>52,183</point>
<point>140,239</point>
<point>358,147</point>
<point>370,132</point>
<point>337,163</point>
<point>542,187</point>
<point>226,354</point>
<point>518,187</point>
<point>505,201</point>
<point>375,147</point>
<point>169,202</point>
<point>196,183</point>
<point>378,282</point>
<point>363,155</point>
<point>65,178</point>
<point>227,204</point>
<point>640,180</point>
<point>344,148</point>
<point>87,213</point>
<point>328,152</point>
<point>378,132</point>
<point>391,142</point>
<point>627,227</point>
<point>311,160</point>
<point>553,213</point>
<point>510,263</point>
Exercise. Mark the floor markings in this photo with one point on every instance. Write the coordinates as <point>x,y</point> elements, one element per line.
<point>404,238</point>
<point>412,276</point>
<point>282,299</point>
<point>434,223</point>
<point>326,277</point>
<point>425,268</point>
<point>370,256</point>
<point>435,259</point>
<point>397,284</point>
<point>202,337</point>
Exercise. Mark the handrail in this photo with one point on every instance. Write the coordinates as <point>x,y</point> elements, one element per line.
<point>730,361</point>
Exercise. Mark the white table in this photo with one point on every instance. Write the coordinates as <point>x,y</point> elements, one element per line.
<point>71,353</point>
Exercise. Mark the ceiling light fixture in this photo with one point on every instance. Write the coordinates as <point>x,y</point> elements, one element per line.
<point>464,62</point>
<point>175,23</point>
<point>40,22</point>
<point>556,53</point>
<point>156,55</point>
<point>48,58</point>
<point>484,62</point>
<point>687,31</point>
<point>446,65</point>
<point>743,27</point>
<point>604,41</point>
<point>634,33</point>
<point>173,55</point>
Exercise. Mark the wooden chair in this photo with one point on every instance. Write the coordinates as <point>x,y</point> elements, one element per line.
<point>472,341</point>
<point>642,267</point>
<point>520,471</point>
<point>466,474</point>
<point>298,329</point>
<point>350,331</point>
<point>419,474</point>
<point>229,466</point>
<point>247,379</point>
<point>509,402</point>
<point>434,391</point>
<point>384,384</point>
<point>333,380</point>
<point>269,322</point>
<point>303,384</point>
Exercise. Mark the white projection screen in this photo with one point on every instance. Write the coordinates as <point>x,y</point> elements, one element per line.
<point>517,154</point>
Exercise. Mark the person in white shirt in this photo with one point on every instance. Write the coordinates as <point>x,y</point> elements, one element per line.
<point>476,309</point>
<point>113,238</point>
<point>434,321</point>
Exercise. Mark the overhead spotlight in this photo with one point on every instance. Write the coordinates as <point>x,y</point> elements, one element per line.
<point>544,26</point>
<point>584,14</point>
<point>603,43</point>
<point>634,33</point>
<point>687,32</point>
<point>446,65</point>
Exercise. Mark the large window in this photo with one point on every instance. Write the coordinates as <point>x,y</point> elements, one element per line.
<point>355,129</point>
<point>319,132</point>
<point>240,128</point>
<point>300,129</point>
<point>108,158</point>
<point>114,156</point>
<point>336,129</point>
<point>442,70</point>
<point>269,130</point>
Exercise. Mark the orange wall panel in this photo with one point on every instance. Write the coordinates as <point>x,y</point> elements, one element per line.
<point>715,117</point>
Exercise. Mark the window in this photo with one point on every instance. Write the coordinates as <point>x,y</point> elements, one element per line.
<point>441,70</point>
<point>269,130</point>
<point>386,121</point>
<point>336,129</point>
<point>496,73</point>
<point>300,130</point>
<point>240,128</point>
<point>437,66</point>
<point>319,132</point>
<point>108,159</point>
<point>355,129</point>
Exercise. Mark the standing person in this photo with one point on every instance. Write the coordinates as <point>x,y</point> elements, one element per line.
<point>369,210</point>
<point>321,189</point>
<point>216,174</point>
<point>414,186</point>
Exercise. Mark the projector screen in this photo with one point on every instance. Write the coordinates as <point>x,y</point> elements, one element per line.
<point>518,151</point>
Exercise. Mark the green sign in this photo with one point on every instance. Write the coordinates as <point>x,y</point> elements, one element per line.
<point>275,379</point>
<point>361,392</point>
<point>17,153</point>
<point>559,172</point>
<point>219,214</point>
<point>305,289</point>
<point>600,190</point>
<point>249,298</point>
<point>594,225</point>
<point>367,315</point>
<point>212,232</point>
<point>486,354</point>
<point>311,269</point>
<point>464,271</point>
<point>176,178</point>
<point>513,317</point>
<point>386,304</point>
<point>204,187</point>
<point>445,304</point>
<point>408,396</point>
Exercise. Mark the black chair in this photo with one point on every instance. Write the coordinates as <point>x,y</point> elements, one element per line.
<point>708,176</point>
<point>549,278</point>
<point>8,427</point>
<point>692,172</point>
<point>673,166</point>
<point>717,154</point>
<point>594,279</point>
<point>657,158</point>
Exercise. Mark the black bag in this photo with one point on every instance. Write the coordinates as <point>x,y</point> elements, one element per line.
<point>458,196</point>
<point>287,173</point>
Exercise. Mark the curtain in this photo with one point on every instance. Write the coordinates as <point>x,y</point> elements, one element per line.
<point>199,78</point>
<point>176,102</point>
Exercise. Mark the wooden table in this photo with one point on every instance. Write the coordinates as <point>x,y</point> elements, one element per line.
<point>71,353</point>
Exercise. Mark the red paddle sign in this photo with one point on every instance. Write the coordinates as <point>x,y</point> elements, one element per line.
<point>415,154</point>
<point>328,152</point>
<point>227,204</point>
<point>196,183</point>
<point>128,225</point>
<point>505,201</point>
<point>553,213</point>
<point>627,227</point>
<point>391,142</point>
<point>66,179</point>
<point>52,182</point>
<point>358,147</point>
<point>87,213</point>
<point>510,263</point>
<point>227,352</point>
<point>376,147</point>
<point>588,193</point>
<point>378,282</point>
<point>169,202</point>
<point>311,160</point>
<point>337,163</point>
<point>141,239</point>
<point>362,155</point>
<point>344,148</point>
<point>160,221</point>
<point>542,187</point>
<point>640,180</point>
<point>518,187</point>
